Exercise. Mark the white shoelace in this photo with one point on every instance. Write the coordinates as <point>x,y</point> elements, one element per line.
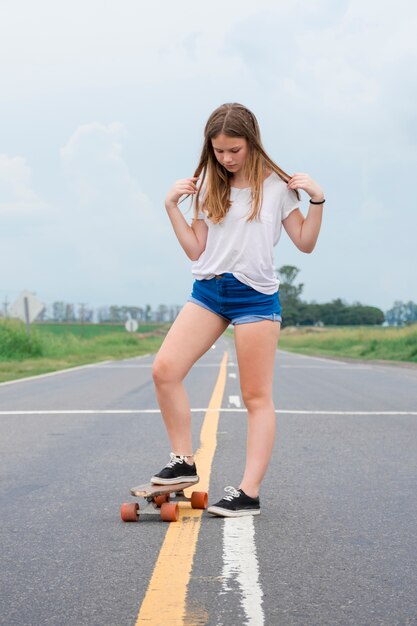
<point>175,460</point>
<point>231,493</point>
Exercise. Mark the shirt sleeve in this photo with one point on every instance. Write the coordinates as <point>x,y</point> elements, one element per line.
<point>290,202</point>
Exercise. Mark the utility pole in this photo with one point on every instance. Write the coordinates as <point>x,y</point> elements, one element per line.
<point>82,306</point>
<point>5,306</point>
<point>27,316</point>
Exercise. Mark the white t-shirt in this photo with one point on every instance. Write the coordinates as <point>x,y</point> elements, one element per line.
<point>246,248</point>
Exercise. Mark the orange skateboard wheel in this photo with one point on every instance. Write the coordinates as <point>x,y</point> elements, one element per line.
<point>199,500</point>
<point>129,512</point>
<point>159,500</point>
<point>170,512</point>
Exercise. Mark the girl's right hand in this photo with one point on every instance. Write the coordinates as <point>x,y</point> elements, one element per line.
<point>184,186</point>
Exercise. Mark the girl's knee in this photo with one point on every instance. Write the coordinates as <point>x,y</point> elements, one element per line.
<point>256,398</point>
<point>164,371</point>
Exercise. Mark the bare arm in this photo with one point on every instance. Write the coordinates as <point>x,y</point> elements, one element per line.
<point>304,231</point>
<point>191,238</point>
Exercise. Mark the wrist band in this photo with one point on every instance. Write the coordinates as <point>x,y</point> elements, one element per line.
<point>321,201</point>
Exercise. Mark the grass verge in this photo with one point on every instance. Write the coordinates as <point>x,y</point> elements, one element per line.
<point>52,347</point>
<point>370,343</point>
<point>47,351</point>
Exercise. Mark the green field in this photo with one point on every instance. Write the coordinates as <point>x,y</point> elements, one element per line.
<point>88,330</point>
<point>364,342</point>
<point>58,346</point>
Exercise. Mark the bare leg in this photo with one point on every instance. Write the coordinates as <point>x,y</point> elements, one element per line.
<point>191,335</point>
<point>256,345</point>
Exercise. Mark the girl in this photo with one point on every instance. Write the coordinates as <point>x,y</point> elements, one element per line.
<point>239,206</point>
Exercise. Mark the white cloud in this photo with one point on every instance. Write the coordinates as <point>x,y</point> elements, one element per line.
<point>101,237</point>
<point>109,222</point>
<point>92,160</point>
<point>17,196</point>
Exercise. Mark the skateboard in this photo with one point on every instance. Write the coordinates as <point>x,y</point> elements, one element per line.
<point>161,500</point>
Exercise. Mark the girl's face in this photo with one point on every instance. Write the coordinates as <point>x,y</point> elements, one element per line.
<point>231,152</point>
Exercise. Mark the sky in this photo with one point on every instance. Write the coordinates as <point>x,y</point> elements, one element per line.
<point>103,106</point>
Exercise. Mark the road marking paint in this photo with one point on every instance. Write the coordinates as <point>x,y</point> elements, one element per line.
<point>352,363</point>
<point>165,599</point>
<point>325,367</point>
<point>304,412</point>
<point>240,564</point>
<point>197,410</point>
<point>68,369</point>
<point>234,401</point>
<point>232,374</point>
<point>313,358</point>
<point>116,366</point>
<point>136,358</point>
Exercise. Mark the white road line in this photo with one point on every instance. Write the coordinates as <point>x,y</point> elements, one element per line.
<point>325,367</point>
<point>136,358</point>
<point>197,410</point>
<point>240,564</point>
<point>110,365</point>
<point>313,358</point>
<point>234,401</point>
<point>65,371</point>
<point>99,364</point>
<point>127,367</point>
<point>116,366</point>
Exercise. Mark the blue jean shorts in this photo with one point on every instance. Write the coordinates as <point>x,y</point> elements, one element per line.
<point>236,302</point>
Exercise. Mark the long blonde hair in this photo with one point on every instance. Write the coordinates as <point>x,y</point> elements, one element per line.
<point>232,120</point>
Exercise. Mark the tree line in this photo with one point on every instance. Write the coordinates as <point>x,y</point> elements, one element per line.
<point>295,310</point>
<point>334,313</point>
<point>60,311</point>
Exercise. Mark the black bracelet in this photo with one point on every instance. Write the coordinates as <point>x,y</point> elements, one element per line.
<point>321,201</point>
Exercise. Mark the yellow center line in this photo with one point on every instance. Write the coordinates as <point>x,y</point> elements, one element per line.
<point>165,599</point>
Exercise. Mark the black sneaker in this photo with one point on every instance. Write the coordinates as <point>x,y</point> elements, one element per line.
<point>176,471</point>
<point>235,504</point>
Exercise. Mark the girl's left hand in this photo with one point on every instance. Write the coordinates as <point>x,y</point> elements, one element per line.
<point>305,182</point>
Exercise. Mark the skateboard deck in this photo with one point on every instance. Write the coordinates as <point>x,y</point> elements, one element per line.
<point>150,489</point>
<point>161,500</point>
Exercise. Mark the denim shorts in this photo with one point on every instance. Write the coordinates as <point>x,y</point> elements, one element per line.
<point>236,302</point>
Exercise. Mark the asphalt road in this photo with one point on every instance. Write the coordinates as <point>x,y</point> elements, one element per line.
<point>335,543</point>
